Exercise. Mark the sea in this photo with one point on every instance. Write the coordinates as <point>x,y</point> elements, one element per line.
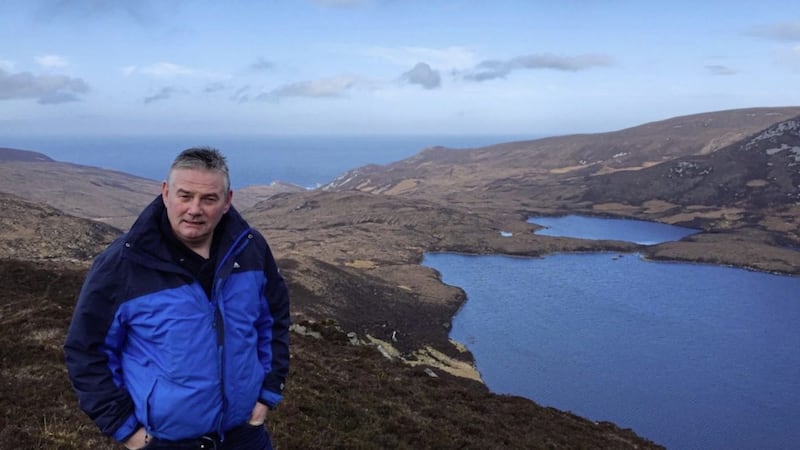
<point>305,160</point>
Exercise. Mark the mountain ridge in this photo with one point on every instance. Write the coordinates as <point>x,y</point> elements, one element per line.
<point>630,148</point>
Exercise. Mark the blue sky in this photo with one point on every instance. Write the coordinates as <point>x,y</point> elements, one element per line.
<point>387,66</point>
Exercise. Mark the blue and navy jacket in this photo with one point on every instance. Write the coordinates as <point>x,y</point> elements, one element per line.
<point>147,346</point>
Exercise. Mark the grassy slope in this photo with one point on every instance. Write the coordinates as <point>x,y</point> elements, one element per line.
<point>339,395</point>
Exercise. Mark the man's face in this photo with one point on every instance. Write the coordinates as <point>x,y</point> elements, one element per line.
<point>195,200</point>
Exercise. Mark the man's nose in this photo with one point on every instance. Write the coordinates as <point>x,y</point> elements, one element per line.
<point>194,208</point>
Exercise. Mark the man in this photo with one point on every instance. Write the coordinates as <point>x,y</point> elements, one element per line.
<point>180,335</point>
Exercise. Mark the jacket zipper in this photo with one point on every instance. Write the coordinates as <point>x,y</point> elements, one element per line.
<point>219,324</point>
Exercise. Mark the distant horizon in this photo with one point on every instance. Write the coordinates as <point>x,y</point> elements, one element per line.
<point>256,135</point>
<point>349,134</point>
<point>258,160</point>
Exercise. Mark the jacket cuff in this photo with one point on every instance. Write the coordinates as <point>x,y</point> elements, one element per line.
<point>126,430</point>
<point>269,398</point>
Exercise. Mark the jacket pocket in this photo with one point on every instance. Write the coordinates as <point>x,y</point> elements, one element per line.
<point>176,411</point>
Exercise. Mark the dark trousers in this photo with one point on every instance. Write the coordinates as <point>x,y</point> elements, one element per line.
<point>244,437</point>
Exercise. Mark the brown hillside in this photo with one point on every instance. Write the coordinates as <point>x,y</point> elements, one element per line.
<point>758,172</point>
<point>111,197</point>
<point>13,154</point>
<point>37,232</point>
<point>248,196</point>
<point>438,170</point>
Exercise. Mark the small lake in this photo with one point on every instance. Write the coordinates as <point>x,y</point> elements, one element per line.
<point>638,231</point>
<point>691,356</point>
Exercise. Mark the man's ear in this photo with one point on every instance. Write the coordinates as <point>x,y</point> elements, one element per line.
<point>229,201</point>
<point>164,190</point>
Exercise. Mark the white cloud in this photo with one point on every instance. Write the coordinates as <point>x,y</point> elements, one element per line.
<point>52,61</point>
<point>171,70</point>
<point>423,75</point>
<point>6,65</point>
<point>788,57</point>
<point>141,11</point>
<point>163,94</point>
<point>241,95</point>
<point>784,31</point>
<point>262,64</point>
<point>214,87</point>
<point>719,69</point>
<point>448,58</point>
<point>165,69</point>
<point>46,89</point>
<point>491,69</point>
<point>340,3</point>
<point>321,88</point>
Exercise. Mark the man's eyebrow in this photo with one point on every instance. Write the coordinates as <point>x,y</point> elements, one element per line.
<point>182,191</point>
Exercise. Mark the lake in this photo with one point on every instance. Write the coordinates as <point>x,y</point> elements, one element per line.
<point>640,232</point>
<point>691,356</point>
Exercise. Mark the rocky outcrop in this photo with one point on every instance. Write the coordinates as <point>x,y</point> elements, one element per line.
<point>761,171</point>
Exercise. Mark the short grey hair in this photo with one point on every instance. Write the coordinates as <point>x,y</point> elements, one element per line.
<point>206,158</point>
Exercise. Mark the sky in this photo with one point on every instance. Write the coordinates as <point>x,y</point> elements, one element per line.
<point>399,67</point>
